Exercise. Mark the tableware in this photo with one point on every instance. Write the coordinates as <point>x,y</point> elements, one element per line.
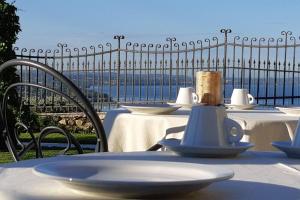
<point>209,87</point>
<point>296,138</point>
<point>205,151</point>
<point>150,108</point>
<point>132,178</point>
<point>186,96</point>
<point>210,126</point>
<point>188,106</point>
<point>241,107</point>
<point>287,147</point>
<point>293,110</point>
<point>241,97</point>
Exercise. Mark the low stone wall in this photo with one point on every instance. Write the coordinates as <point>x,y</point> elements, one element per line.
<point>72,121</point>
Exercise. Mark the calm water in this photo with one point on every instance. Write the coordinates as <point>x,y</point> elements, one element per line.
<point>157,93</point>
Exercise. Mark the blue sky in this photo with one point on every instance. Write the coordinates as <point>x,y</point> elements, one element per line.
<point>80,23</point>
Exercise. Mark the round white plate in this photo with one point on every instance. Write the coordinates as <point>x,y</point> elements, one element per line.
<point>132,178</point>
<point>241,107</point>
<point>290,110</point>
<point>150,108</point>
<point>181,105</point>
<point>189,106</point>
<point>205,151</point>
<point>287,148</point>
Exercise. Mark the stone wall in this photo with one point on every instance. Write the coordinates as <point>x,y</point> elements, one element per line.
<point>72,121</point>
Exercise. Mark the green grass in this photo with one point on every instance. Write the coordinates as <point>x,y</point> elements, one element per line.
<point>83,138</point>
<point>5,157</point>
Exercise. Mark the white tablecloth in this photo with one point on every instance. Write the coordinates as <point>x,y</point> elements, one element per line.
<point>136,132</point>
<point>258,175</point>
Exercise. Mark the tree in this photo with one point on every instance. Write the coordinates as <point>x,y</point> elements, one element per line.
<point>9,29</point>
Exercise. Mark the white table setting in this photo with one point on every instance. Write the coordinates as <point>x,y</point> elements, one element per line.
<point>209,155</point>
<point>257,175</point>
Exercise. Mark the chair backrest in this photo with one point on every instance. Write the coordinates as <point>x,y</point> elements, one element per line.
<point>70,92</point>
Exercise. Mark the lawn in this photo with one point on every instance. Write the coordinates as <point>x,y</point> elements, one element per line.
<point>83,138</point>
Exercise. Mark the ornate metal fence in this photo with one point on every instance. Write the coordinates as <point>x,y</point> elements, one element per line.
<point>139,72</point>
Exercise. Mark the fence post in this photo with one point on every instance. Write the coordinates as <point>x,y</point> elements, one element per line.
<point>171,40</point>
<point>225,31</point>
<point>119,38</point>
<point>285,34</point>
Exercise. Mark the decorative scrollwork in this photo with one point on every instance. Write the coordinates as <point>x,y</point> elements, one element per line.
<point>244,39</point>
<point>76,50</point>
<point>215,39</point>
<point>261,40</point>
<point>135,45</point>
<point>142,46</point>
<point>39,51</point>
<point>279,40</point>
<point>80,101</point>
<point>93,48</point>
<point>192,43</point>
<point>108,44</point>
<point>207,40</point>
<point>236,38</point>
<point>150,45</point>
<point>292,38</point>
<point>199,42</point>
<point>69,51</point>
<point>171,39</point>
<point>23,50</point>
<point>223,30</point>
<point>165,46</point>
<point>157,46</point>
<point>119,37</point>
<point>31,51</point>
<point>286,33</point>
<point>48,51</point>
<point>270,40</point>
<point>84,49</point>
<point>69,137</point>
<point>254,39</point>
<point>128,44</point>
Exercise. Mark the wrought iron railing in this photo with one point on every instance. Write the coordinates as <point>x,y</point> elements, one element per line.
<point>139,72</point>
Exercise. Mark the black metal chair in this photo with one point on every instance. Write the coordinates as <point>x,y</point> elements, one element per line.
<point>71,94</point>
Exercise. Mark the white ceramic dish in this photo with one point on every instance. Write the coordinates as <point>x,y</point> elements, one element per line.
<point>205,151</point>
<point>189,106</point>
<point>287,148</point>
<point>290,110</point>
<point>241,107</point>
<point>132,178</point>
<point>150,108</point>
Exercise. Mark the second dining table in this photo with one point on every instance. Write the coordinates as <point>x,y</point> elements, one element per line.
<point>137,132</point>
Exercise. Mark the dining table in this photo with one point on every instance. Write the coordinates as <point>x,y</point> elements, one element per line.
<point>128,131</point>
<point>257,175</point>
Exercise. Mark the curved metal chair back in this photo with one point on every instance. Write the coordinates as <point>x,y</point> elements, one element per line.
<point>76,97</point>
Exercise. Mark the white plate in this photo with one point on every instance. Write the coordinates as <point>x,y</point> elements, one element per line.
<point>132,178</point>
<point>189,106</point>
<point>150,108</point>
<point>205,151</point>
<point>181,105</point>
<point>241,107</point>
<point>290,110</point>
<point>287,148</point>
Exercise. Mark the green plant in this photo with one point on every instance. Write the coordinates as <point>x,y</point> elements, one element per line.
<point>9,29</point>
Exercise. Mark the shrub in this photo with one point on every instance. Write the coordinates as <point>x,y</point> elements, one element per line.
<point>9,28</point>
